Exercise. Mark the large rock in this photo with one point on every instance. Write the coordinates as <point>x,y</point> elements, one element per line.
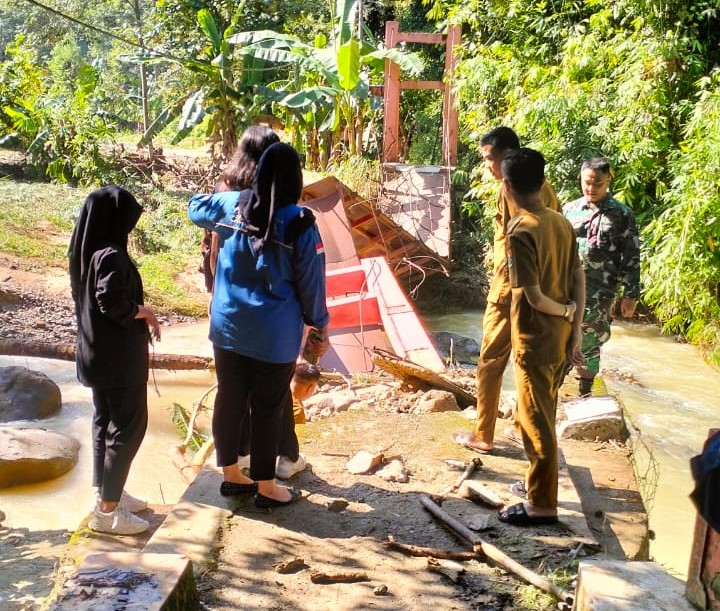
<point>434,401</point>
<point>29,455</point>
<point>461,349</point>
<point>27,395</point>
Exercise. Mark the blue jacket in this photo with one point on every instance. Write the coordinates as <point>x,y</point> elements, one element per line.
<point>262,300</point>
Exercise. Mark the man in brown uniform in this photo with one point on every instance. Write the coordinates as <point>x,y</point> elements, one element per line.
<point>495,349</point>
<point>548,296</point>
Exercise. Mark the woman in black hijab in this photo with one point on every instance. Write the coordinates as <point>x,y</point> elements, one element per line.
<point>114,328</point>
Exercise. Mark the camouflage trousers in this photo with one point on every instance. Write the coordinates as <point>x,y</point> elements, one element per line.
<point>595,332</point>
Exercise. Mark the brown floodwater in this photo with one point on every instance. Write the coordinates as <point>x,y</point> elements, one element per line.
<point>62,503</point>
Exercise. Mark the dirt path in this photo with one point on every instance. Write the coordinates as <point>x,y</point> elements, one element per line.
<point>253,543</point>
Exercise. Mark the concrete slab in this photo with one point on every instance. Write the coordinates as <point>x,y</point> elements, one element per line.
<point>192,527</point>
<point>130,580</point>
<point>570,511</point>
<point>614,585</point>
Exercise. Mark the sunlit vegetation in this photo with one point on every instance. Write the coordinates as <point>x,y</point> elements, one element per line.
<point>635,81</point>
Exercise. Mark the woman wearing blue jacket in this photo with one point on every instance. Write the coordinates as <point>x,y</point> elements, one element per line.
<point>269,284</point>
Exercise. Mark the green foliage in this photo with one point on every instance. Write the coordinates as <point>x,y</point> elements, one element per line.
<point>360,174</point>
<point>53,114</point>
<point>682,243</point>
<point>36,220</point>
<point>324,93</point>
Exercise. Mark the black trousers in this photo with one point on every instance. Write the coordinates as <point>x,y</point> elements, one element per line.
<point>118,428</point>
<point>245,382</point>
<point>289,445</point>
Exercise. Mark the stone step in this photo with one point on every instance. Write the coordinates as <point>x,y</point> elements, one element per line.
<point>112,581</point>
<point>616,585</point>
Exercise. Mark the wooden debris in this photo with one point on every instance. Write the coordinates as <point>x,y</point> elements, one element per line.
<point>363,462</point>
<point>337,505</point>
<point>433,552</point>
<point>478,493</point>
<point>470,468</point>
<point>451,570</point>
<point>420,377</point>
<point>291,566</point>
<point>495,554</point>
<point>455,464</point>
<point>349,577</point>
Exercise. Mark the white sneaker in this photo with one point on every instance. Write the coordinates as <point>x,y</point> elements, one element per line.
<point>128,501</point>
<point>286,468</point>
<point>118,522</point>
<point>244,461</point>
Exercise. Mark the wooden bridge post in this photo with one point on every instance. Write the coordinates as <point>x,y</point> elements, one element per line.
<point>393,85</point>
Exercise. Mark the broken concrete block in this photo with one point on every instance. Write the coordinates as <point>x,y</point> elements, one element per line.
<point>614,585</point>
<point>593,419</point>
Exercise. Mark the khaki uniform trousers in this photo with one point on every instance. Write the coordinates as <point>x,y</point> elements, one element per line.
<point>494,356</point>
<point>537,388</point>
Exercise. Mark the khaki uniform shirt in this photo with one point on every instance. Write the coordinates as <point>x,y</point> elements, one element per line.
<point>541,251</point>
<point>500,284</point>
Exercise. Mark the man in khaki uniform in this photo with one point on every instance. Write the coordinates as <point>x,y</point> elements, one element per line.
<point>495,349</point>
<point>548,296</point>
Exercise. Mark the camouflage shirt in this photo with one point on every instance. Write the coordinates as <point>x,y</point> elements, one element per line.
<point>608,245</point>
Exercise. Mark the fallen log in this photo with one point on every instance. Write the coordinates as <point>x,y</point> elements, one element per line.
<point>420,377</point>
<point>66,352</point>
<point>496,554</point>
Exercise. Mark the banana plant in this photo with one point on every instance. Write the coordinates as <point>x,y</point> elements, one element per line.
<point>221,92</point>
<point>326,94</point>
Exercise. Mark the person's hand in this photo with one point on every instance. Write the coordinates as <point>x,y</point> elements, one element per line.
<point>316,344</point>
<point>572,308</point>
<point>627,307</point>
<point>151,320</point>
<point>574,353</point>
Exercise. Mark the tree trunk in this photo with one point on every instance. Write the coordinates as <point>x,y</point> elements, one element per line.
<point>66,352</point>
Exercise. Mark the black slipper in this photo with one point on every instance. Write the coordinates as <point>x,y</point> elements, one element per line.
<point>517,516</point>
<point>233,489</point>
<point>265,502</point>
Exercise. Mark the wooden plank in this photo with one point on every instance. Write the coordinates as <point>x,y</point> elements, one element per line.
<point>354,311</point>
<point>450,112</point>
<point>344,281</point>
<point>422,37</point>
<point>410,85</point>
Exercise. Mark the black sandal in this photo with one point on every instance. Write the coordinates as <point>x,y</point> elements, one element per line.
<point>233,489</point>
<point>265,502</point>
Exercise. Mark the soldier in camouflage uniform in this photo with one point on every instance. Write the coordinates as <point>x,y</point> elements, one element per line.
<point>609,249</point>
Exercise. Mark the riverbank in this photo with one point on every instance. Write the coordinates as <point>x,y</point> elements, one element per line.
<point>248,545</point>
<point>344,521</point>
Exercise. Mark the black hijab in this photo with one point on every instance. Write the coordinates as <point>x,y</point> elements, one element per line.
<point>278,183</point>
<point>107,217</point>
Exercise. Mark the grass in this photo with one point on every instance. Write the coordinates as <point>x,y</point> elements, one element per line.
<point>37,218</point>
